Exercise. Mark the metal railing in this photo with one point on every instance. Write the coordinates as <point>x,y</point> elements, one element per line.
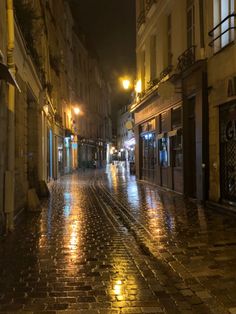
<point>141,19</point>
<point>149,4</point>
<point>186,59</point>
<point>218,27</point>
<point>166,71</point>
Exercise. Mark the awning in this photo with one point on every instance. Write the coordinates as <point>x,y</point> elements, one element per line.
<point>6,75</point>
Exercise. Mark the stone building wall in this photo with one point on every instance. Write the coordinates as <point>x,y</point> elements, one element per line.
<point>3,106</point>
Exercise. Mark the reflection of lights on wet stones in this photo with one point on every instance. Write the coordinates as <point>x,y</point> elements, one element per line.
<point>118,287</point>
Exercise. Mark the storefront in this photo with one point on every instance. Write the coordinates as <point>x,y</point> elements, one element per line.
<point>161,148</point>
<point>171,125</point>
<point>50,172</point>
<point>60,149</point>
<point>227,152</point>
<point>148,149</point>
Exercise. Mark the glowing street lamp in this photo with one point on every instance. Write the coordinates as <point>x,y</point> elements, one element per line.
<point>76,110</point>
<point>126,84</point>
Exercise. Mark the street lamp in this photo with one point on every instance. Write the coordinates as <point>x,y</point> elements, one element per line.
<point>126,84</point>
<point>76,110</point>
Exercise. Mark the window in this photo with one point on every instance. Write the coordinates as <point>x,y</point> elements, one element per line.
<point>143,70</point>
<point>176,119</point>
<point>177,150</point>
<point>148,136</point>
<point>149,150</point>
<point>164,121</point>
<point>222,9</point>
<point>153,60</point>
<point>164,152</point>
<point>169,40</point>
<point>190,23</point>
<point>176,140</point>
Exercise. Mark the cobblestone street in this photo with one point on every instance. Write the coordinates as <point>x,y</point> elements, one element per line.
<point>105,243</point>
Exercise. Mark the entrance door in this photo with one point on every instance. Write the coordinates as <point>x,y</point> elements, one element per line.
<point>50,155</point>
<point>227,152</point>
<point>190,152</point>
<point>32,141</point>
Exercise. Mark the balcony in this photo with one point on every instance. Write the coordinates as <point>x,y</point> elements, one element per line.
<point>186,59</point>
<point>166,72</point>
<point>150,7</point>
<point>223,33</point>
<point>141,21</point>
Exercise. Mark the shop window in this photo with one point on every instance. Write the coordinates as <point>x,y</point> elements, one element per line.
<point>164,152</point>
<point>177,151</point>
<point>145,153</point>
<point>149,150</point>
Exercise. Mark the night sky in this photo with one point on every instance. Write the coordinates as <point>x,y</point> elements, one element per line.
<point>110,27</point>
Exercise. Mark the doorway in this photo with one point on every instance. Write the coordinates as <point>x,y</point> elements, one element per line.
<point>190,151</point>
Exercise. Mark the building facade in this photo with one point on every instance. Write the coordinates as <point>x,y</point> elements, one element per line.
<point>3,108</point>
<point>185,111</point>
<point>47,106</point>
<point>170,118</point>
<point>221,51</point>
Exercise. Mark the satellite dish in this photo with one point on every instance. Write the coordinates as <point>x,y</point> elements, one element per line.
<point>129,125</point>
<point>166,90</point>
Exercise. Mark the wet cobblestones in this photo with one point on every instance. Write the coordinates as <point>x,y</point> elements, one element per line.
<point>107,244</point>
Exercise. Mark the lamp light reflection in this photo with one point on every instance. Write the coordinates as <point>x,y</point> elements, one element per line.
<point>138,87</point>
<point>118,288</point>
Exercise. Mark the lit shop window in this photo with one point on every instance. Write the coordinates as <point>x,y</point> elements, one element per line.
<point>177,150</point>
<point>149,150</point>
<point>164,152</point>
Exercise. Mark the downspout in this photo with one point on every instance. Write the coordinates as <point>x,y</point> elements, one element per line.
<point>205,107</point>
<point>202,28</point>
<point>10,173</point>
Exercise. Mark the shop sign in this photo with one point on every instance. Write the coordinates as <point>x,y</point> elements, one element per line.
<point>144,114</point>
<point>230,130</point>
<point>129,125</point>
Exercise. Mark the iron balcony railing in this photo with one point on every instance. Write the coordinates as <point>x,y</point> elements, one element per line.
<point>141,19</point>
<point>217,28</point>
<point>149,4</point>
<point>166,71</point>
<point>186,59</point>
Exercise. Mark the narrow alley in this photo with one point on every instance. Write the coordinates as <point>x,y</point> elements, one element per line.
<point>106,243</point>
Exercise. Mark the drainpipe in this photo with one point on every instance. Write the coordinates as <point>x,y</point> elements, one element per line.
<point>202,28</point>
<point>10,173</point>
